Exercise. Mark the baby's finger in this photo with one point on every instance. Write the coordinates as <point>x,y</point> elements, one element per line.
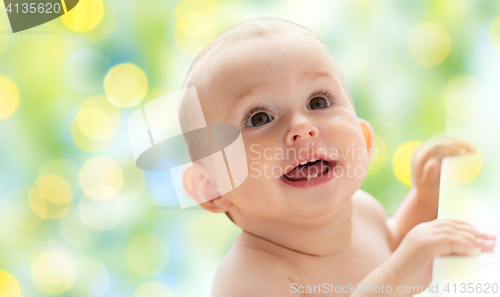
<point>456,245</point>
<point>446,150</point>
<point>486,245</point>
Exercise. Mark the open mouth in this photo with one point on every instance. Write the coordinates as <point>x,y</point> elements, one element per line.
<point>309,170</point>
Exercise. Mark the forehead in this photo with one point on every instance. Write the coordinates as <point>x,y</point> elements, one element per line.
<point>274,61</point>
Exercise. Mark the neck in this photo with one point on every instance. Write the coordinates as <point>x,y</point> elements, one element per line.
<point>325,236</point>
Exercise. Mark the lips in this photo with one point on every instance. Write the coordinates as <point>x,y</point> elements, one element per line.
<point>308,170</point>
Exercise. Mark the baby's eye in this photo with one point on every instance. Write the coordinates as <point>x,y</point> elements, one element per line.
<point>318,103</point>
<point>259,119</point>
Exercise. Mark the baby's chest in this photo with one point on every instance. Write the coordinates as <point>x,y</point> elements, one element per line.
<point>347,268</point>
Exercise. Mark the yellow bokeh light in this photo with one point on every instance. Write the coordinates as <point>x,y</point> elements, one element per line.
<point>379,155</point>
<point>95,124</point>
<point>125,85</point>
<point>428,44</point>
<point>153,289</point>
<point>101,178</point>
<point>53,272</point>
<point>465,97</point>
<point>494,33</point>
<point>101,215</point>
<point>85,16</point>
<point>9,286</point>
<point>4,40</point>
<point>54,189</point>
<point>147,254</point>
<point>106,26</point>
<point>61,167</point>
<point>51,197</point>
<point>9,97</point>
<point>401,161</point>
<point>194,31</point>
<point>463,169</point>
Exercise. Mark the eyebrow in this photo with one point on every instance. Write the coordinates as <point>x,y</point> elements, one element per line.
<point>316,74</point>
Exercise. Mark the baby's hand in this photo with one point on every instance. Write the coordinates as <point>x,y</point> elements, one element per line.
<point>426,164</point>
<point>411,262</point>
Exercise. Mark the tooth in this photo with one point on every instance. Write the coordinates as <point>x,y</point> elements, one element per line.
<point>314,175</point>
<point>303,162</point>
<point>308,177</point>
<point>312,160</point>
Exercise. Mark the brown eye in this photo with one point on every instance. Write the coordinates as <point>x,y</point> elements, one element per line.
<point>318,103</point>
<point>259,119</point>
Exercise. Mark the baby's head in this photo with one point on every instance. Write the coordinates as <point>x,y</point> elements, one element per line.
<point>280,84</point>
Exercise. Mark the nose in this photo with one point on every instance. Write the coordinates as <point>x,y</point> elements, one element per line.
<point>301,130</point>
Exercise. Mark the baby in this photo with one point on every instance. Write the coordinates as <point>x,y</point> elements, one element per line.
<point>307,229</point>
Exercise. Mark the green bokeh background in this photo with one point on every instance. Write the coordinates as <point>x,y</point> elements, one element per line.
<point>57,69</point>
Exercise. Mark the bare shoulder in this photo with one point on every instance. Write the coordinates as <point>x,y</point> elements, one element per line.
<point>368,206</point>
<point>249,271</point>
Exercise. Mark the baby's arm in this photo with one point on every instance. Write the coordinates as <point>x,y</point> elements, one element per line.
<point>421,203</point>
<point>411,264</point>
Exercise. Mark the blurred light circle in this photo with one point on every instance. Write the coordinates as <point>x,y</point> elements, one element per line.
<point>401,161</point>
<point>9,97</point>
<point>153,289</point>
<point>53,272</point>
<point>125,85</point>
<point>209,233</point>
<point>86,70</point>
<point>101,215</point>
<point>4,40</point>
<point>428,44</point>
<point>465,97</point>
<point>61,167</point>
<point>494,33</point>
<point>133,180</point>
<point>193,31</point>
<point>147,254</point>
<point>85,16</point>
<point>91,278</point>
<point>95,124</point>
<point>463,169</point>
<point>54,189</point>
<point>101,178</point>
<point>9,285</point>
<point>51,198</point>
<point>76,233</point>
<point>18,212</point>
<point>105,27</point>
<point>379,155</point>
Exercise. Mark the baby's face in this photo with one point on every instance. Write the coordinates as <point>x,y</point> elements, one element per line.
<point>287,95</point>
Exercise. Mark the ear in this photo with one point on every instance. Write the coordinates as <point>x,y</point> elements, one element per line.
<point>367,133</point>
<point>199,184</point>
